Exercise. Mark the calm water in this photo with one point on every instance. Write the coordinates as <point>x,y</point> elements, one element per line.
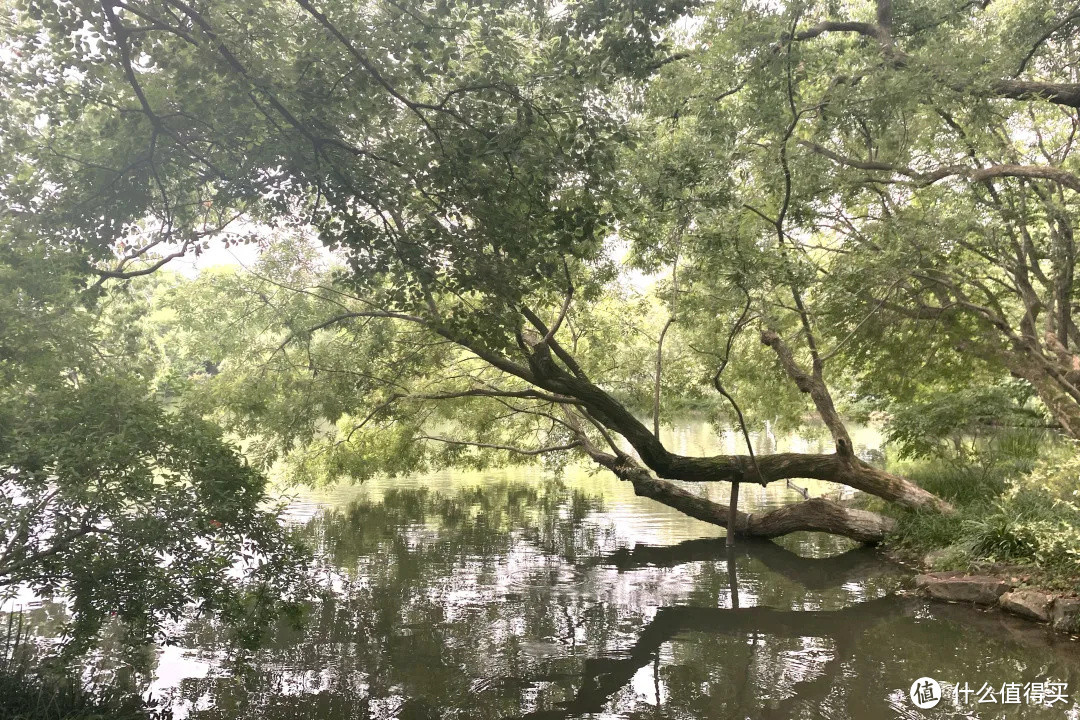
<point>511,595</point>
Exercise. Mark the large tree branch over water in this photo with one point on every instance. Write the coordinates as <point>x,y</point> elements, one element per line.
<point>840,467</point>
<point>578,405</point>
<point>481,199</point>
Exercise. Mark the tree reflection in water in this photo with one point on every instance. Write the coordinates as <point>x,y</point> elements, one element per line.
<point>517,601</point>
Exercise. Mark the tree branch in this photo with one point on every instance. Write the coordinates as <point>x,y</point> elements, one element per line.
<point>1038,172</point>
<point>507,448</point>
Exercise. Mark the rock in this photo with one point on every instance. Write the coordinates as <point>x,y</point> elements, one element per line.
<point>958,587</point>
<point>1065,614</point>
<point>1027,603</point>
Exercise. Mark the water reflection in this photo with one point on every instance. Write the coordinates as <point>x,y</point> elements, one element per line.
<point>504,595</point>
<point>524,600</point>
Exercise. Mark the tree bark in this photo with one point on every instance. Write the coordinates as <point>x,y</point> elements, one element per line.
<point>1058,401</point>
<point>658,376</point>
<point>816,515</point>
<point>1067,94</point>
<point>581,399</point>
<point>847,468</point>
<point>844,469</point>
<point>812,383</point>
<point>733,514</point>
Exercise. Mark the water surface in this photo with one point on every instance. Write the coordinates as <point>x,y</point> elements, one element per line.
<point>509,594</point>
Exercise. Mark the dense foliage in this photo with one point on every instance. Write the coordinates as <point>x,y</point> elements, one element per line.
<point>128,509</point>
<point>536,224</point>
<point>1015,516</point>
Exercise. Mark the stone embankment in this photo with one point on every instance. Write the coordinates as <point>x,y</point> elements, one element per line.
<point>1062,612</point>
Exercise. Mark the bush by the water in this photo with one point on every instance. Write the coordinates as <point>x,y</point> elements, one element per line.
<point>37,695</point>
<point>1013,510</point>
<point>33,690</point>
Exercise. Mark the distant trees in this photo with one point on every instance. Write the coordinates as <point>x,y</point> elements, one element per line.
<point>126,509</point>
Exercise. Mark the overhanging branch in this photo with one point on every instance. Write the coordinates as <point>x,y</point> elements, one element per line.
<point>506,448</point>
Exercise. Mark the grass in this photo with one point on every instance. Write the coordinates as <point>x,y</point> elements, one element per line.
<point>30,691</point>
<point>1015,513</point>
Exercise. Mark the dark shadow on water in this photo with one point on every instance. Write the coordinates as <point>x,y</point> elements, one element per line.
<point>603,676</point>
<point>812,573</point>
<point>514,600</point>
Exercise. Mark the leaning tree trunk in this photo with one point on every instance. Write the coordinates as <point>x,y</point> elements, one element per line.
<point>585,403</point>
<point>840,467</point>
<point>1055,392</point>
<point>816,514</point>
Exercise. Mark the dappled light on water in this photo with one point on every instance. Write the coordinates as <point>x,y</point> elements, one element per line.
<point>508,594</point>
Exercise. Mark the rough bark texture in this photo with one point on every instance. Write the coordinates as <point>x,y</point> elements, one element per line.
<point>816,514</point>
<point>840,468</point>
<point>813,384</point>
<point>1067,94</point>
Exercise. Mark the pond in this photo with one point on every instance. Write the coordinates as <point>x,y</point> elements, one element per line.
<point>513,594</point>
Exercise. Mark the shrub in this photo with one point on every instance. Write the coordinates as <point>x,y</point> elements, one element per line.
<point>1009,510</point>
<point>967,422</point>
<point>48,691</point>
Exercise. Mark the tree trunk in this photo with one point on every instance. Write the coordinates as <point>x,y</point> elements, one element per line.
<point>582,400</point>
<point>840,468</point>
<point>1061,404</point>
<point>817,514</point>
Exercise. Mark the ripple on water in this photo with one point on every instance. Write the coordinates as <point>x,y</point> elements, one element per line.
<point>490,595</point>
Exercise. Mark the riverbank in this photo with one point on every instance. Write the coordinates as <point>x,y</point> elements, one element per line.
<point>1013,541</point>
<point>1059,610</point>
